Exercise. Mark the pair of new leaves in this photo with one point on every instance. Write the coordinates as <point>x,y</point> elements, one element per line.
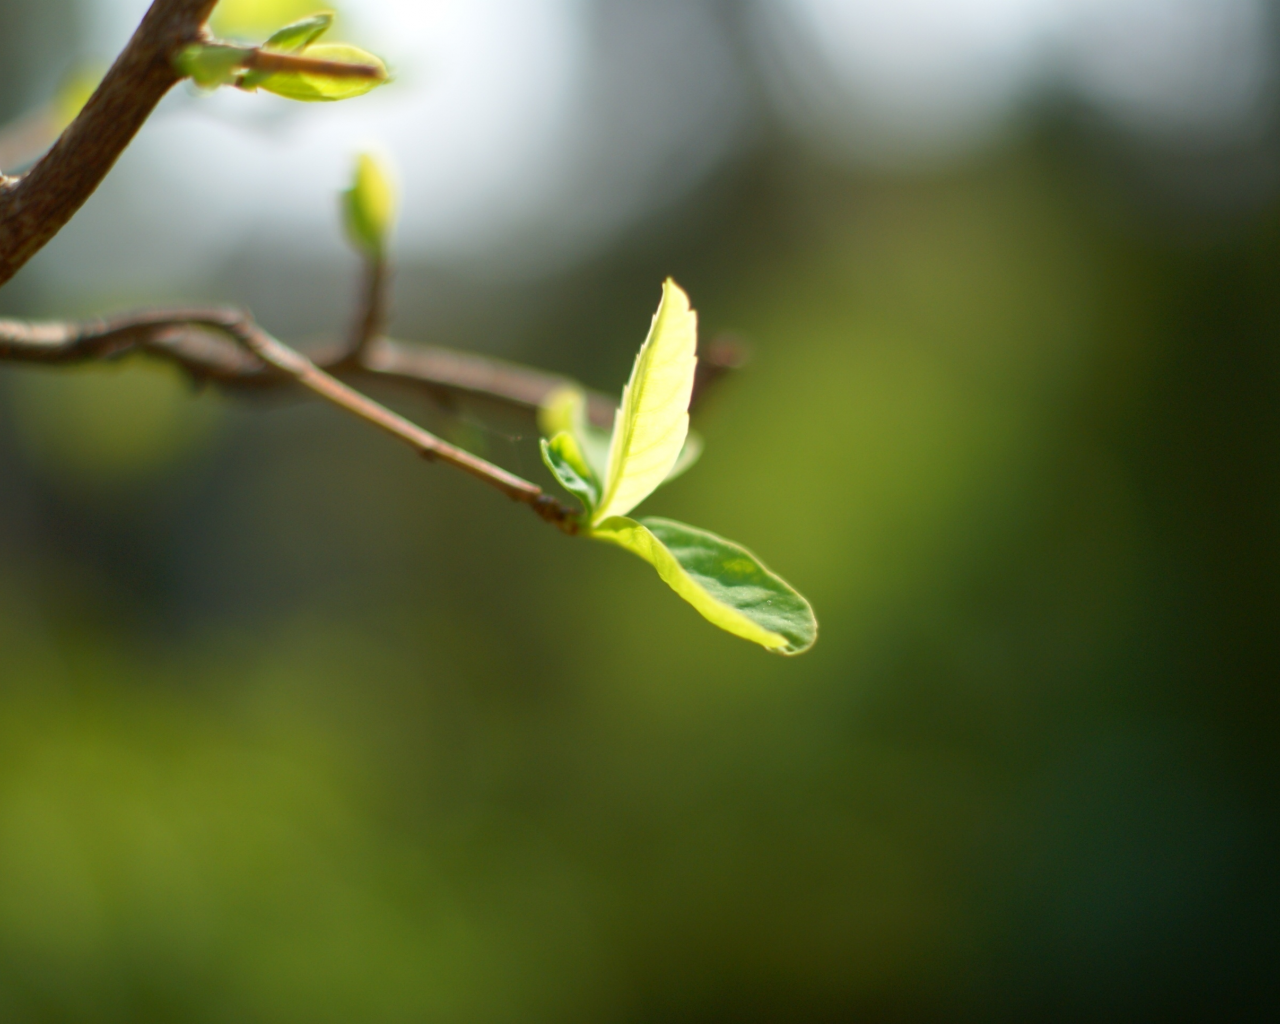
<point>210,65</point>
<point>610,474</point>
<point>651,444</point>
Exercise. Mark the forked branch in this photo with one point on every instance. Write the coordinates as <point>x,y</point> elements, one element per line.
<point>225,345</point>
<point>197,339</point>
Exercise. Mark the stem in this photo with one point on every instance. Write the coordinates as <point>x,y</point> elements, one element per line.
<point>270,62</point>
<point>373,307</point>
<point>310,376</point>
<point>177,334</point>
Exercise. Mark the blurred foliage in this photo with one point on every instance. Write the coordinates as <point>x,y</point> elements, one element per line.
<point>254,20</point>
<point>95,426</point>
<point>74,93</point>
<point>290,729</point>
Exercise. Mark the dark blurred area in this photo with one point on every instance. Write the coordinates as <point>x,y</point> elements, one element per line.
<point>294,727</point>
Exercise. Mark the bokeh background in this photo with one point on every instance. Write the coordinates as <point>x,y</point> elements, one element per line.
<point>296,728</point>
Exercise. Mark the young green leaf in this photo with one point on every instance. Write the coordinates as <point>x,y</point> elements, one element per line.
<point>311,87</point>
<point>290,39</point>
<point>300,34</point>
<point>369,206</point>
<point>651,424</point>
<point>651,444</point>
<point>565,409</point>
<point>210,65</point>
<point>565,460</point>
<point>724,581</point>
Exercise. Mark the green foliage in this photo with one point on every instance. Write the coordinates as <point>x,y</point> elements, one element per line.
<point>369,206</point>
<point>215,64</point>
<point>565,460</point>
<point>653,419</point>
<point>724,581</point>
<point>300,34</point>
<point>309,87</point>
<point>565,410</point>
<point>249,19</point>
<point>650,445</point>
<point>290,39</point>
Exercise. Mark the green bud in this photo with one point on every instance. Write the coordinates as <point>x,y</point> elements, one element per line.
<point>290,39</point>
<point>210,65</point>
<point>369,206</point>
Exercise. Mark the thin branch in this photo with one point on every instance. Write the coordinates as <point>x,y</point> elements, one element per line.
<point>35,207</point>
<point>181,336</point>
<point>271,62</point>
<point>170,333</point>
<point>448,372</point>
<point>310,376</point>
<point>372,319</point>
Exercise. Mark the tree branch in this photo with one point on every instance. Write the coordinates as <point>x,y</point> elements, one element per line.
<point>369,325</point>
<point>310,376</point>
<point>35,207</point>
<point>183,336</point>
<point>226,345</point>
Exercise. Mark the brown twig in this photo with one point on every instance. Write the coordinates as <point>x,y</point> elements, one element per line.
<point>227,346</point>
<point>270,62</point>
<point>35,207</point>
<point>197,340</point>
<point>371,321</point>
<point>310,376</point>
<point>182,336</point>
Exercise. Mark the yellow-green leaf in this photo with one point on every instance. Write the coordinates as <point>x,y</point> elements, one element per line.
<point>300,34</point>
<point>652,422</point>
<point>312,88</point>
<point>724,581</point>
<point>290,39</point>
<point>369,205</point>
<point>565,460</point>
<point>565,409</point>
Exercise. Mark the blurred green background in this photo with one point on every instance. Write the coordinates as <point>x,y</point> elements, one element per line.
<point>294,727</point>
